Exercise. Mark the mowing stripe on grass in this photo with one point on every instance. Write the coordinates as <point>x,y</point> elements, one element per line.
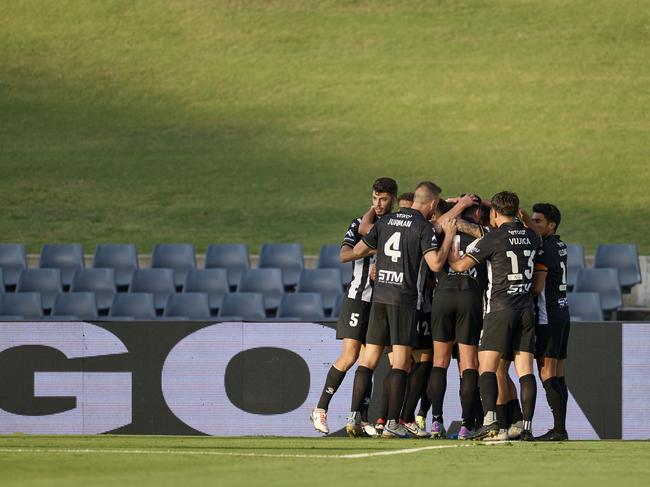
<point>229,454</point>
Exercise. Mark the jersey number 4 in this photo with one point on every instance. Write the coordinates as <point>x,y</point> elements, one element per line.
<point>391,247</point>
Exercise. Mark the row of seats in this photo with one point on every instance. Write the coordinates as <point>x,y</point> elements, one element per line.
<point>161,283</point>
<point>123,259</point>
<point>622,257</point>
<point>180,306</point>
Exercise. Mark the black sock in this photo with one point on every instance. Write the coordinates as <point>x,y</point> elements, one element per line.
<point>467,389</point>
<point>489,392</point>
<point>383,404</point>
<point>528,393</point>
<point>417,381</point>
<point>502,416</point>
<point>436,389</point>
<point>556,402</point>
<point>565,390</point>
<point>396,389</point>
<point>425,403</point>
<point>365,405</point>
<point>478,408</point>
<point>362,376</point>
<point>514,411</point>
<point>332,383</point>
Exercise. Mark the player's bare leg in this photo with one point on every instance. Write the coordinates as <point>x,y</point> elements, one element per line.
<point>528,391</point>
<point>350,350</point>
<point>362,377</point>
<point>548,370</point>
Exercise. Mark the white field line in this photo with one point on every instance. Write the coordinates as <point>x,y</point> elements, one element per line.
<point>226,454</point>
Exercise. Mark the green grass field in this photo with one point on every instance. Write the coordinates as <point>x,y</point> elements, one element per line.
<point>162,461</point>
<point>266,120</point>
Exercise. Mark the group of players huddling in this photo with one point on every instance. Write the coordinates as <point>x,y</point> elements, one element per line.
<point>474,279</point>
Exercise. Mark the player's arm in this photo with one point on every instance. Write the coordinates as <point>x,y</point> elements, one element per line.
<point>436,258</point>
<point>367,222</point>
<point>460,206</point>
<point>539,279</point>
<point>528,221</point>
<point>367,245</point>
<point>472,229</point>
<point>461,264</point>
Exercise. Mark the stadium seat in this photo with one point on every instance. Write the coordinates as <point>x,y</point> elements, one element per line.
<point>193,306</point>
<point>287,257</point>
<point>214,282</point>
<point>98,281</point>
<point>232,257</point>
<point>122,258</point>
<point>327,282</point>
<point>13,260</point>
<point>304,306</point>
<point>336,310</point>
<point>604,282</point>
<point>11,318</point>
<point>179,257</point>
<point>268,282</point>
<point>2,281</point>
<point>328,258</point>
<point>27,305</point>
<point>66,257</point>
<point>575,262</point>
<point>139,306</point>
<point>159,282</point>
<point>47,282</point>
<point>624,257</point>
<point>248,306</point>
<point>585,307</point>
<point>79,304</point>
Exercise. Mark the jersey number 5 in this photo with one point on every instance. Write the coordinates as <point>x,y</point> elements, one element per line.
<point>391,247</point>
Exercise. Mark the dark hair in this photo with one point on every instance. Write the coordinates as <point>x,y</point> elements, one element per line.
<point>468,213</point>
<point>385,185</point>
<point>550,212</point>
<point>433,188</point>
<point>444,206</point>
<point>506,203</point>
<point>406,196</point>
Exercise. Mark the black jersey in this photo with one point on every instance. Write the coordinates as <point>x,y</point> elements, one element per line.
<point>401,239</point>
<point>360,286</point>
<point>551,303</point>
<point>474,279</point>
<point>509,253</point>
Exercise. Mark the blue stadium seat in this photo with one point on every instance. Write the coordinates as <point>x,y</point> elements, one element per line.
<point>27,305</point>
<point>98,281</point>
<point>624,257</point>
<point>327,282</point>
<point>304,306</point>
<point>181,258</point>
<point>193,306</point>
<point>575,262</point>
<point>66,257</point>
<point>604,282</point>
<point>139,306</point>
<point>268,282</point>
<point>159,282</point>
<point>287,257</point>
<point>336,310</point>
<point>329,258</point>
<point>585,307</point>
<point>13,260</point>
<point>248,306</point>
<point>47,282</point>
<point>232,257</point>
<point>2,285</point>
<point>214,282</point>
<point>79,304</point>
<point>11,318</point>
<point>122,258</point>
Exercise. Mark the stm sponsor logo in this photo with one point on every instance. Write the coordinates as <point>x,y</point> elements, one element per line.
<point>390,277</point>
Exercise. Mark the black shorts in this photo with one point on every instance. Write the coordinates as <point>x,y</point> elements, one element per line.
<point>508,331</point>
<point>423,327</point>
<point>390,324</point>
<point>457,316</point>
<point>552,340</point>
<point>353,320</point>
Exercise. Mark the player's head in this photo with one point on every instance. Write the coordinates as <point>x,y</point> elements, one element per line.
<point>405,200</point>
<point>474,213</point>
<point>384,191</point>
<point>505,206</point>
<point>426,197</point>
<point>547,218</point>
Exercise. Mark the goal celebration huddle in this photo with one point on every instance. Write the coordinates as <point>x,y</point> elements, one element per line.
<point>474,280</point>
